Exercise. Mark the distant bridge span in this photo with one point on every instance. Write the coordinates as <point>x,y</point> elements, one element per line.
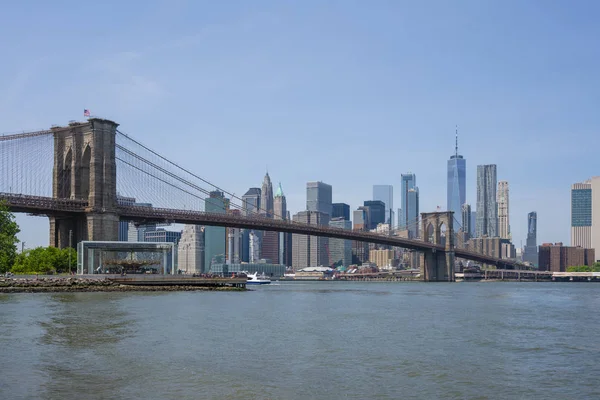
<point>50,206</point>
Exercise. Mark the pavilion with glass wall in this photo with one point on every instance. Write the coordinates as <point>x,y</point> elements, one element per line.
<point>128,257</point>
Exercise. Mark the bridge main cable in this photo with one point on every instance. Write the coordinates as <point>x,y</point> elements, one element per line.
<point>194,175</point>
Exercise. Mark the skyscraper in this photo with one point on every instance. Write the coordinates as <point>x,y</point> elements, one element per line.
<point>310,251</point>
<point>487,206</point>
<point>360,219</point>
<point>503,210</point>
<point>270,240</point>
<point>581,214</point>
<point>457,184</point>
<point>266,198</point>
<point>410,205</point>
<point>585,214</point>
<point>340,210</point>
<point>280,212</point>
<point>234,245</point>
<point>360,222</point>
<point>530,253</point>
<point>385,193</point>
<point>254,247</point>
<point>466,220</point>
<point>279,204</point>
<point>214,236</point>
<point>251,201</point>
<point>340,250</point>
<point>251,205</point>
<point>376,213</point>
<point>318,197</point>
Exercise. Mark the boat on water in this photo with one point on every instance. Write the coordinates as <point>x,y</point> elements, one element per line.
<point>255,279</point>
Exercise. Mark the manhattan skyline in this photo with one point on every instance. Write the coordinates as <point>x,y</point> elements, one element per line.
<point>276,79</point>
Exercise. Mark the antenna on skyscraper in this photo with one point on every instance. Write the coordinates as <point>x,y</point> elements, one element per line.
<point>456,146</point>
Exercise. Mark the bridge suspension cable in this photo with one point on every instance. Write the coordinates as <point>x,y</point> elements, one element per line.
<point>26,161</point>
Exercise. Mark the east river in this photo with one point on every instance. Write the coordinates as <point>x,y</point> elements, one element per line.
<point>489,340</point>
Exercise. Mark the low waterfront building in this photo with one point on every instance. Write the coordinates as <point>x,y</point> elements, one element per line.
<point>271,270</point>
<point>313,273</point>
<point>557,258</point>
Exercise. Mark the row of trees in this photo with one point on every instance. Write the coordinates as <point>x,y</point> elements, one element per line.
<point>44,260</point>
<point>585,268</point>
<point>41,260</point>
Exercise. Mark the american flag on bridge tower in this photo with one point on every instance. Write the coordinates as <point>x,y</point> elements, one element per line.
<point>86,112</point>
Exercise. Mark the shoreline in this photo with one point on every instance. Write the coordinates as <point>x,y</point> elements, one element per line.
<point>115,289</point>
<point>74,285</point>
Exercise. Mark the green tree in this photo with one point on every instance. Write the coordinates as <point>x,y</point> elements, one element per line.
<point>62,260</point>
<point>585,268</point>
<point>44,260</point>
<point>8,238</point>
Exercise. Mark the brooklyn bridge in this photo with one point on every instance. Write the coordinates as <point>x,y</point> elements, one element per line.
<point>75,175</point>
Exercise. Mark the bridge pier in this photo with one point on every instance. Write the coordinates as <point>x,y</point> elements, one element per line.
<point>102,227</point>
<point>438,265</point>
<point>85,169</point>
<point>61,227</point>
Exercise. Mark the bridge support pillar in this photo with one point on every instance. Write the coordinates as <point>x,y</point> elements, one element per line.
<point>438,265</point>
<point>83,227</point>
<point>104,227</point>
<point>85,169</point>
<point>62,227</point>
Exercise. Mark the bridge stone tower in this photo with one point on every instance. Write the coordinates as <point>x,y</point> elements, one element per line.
<point>85,169</point>
<point>438,266</point>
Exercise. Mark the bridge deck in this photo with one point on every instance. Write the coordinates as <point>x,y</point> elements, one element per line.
<point>53,206</point>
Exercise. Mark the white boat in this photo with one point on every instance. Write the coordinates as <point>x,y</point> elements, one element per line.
<point>255,279</point>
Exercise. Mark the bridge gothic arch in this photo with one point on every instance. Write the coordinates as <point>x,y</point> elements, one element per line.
<point>84,171</point>
<point>65,175</point>
<point>429,233</point>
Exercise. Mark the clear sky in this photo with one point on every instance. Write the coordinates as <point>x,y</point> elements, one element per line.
<point>352,93</point>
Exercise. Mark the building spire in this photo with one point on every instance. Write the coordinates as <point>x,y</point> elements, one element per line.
<point>456,145</point>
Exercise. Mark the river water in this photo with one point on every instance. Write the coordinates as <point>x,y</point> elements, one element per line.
<point>488,340</point>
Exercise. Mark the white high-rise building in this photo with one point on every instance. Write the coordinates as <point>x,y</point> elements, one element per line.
<point>503,211</point>
<point>234,237</point>
<point>191,250</point>
<point>254,247</point>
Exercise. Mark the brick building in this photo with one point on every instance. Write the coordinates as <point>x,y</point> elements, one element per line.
<point>557,258</point>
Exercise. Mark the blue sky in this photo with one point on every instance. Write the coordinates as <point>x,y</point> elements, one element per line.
<point>352,93</point>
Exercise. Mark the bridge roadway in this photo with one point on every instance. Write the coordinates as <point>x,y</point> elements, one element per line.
<point>50,206</point>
